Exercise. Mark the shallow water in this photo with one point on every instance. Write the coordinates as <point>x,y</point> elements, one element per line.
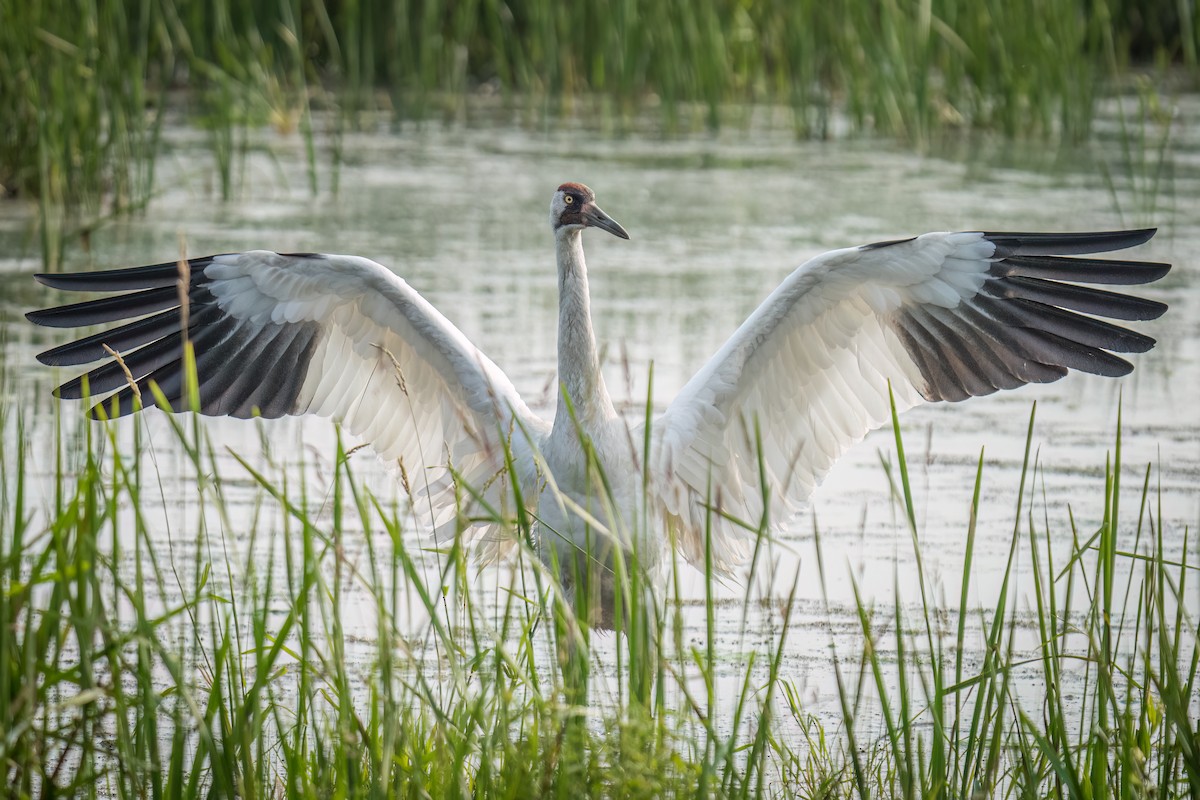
<point>716,222</point>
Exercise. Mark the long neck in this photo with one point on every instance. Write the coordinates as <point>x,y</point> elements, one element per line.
<point>578,361</point>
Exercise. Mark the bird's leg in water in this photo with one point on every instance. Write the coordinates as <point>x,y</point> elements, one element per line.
<point>573,649</point>
<point>580,607</point>
<point>607,590</point>
<point>573,654</point>
<point>634,611</point>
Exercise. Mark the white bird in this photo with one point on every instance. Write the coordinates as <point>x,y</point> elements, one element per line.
<point>943,316</point>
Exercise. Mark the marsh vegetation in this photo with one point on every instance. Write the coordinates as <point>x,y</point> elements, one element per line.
<point>212,608</point>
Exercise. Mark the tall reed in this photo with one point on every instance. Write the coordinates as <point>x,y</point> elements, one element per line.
<point>198,645</point>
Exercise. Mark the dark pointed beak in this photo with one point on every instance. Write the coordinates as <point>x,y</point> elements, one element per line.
<point>594,217</point>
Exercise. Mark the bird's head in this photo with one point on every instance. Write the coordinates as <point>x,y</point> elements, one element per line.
<point>574,208</point>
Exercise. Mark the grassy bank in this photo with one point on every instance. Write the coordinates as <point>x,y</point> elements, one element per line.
<point>85,86</point>
<point>226,655</point>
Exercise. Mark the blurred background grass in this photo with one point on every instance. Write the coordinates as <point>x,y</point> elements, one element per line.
<point>85,86</point>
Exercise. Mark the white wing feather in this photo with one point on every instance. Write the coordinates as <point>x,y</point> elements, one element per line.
<point>333,335</point>
<point>390,367</point>
<point>804,378</point>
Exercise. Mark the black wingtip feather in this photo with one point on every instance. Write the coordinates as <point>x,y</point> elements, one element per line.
<point>109,309</point>
<point>152,276</point>
<point>1066,244</point>
<point>240,370</point>
<point>1030,320</point>
<point>1109,271</point>
<point>1077,298</point>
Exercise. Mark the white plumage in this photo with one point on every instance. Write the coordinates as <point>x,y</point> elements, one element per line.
<point>942,316</point>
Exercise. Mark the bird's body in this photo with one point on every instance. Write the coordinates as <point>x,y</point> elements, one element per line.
<point>943,316</point>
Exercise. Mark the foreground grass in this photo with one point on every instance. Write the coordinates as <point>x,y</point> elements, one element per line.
<point>225,663</point>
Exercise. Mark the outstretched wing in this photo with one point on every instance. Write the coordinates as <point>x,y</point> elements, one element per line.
<point>274,335</point>
<point>943,316</point>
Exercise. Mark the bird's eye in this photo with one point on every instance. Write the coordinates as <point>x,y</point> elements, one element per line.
<point>568,199</point>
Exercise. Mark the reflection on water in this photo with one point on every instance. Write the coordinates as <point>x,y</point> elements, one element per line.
<point>715,222</point>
